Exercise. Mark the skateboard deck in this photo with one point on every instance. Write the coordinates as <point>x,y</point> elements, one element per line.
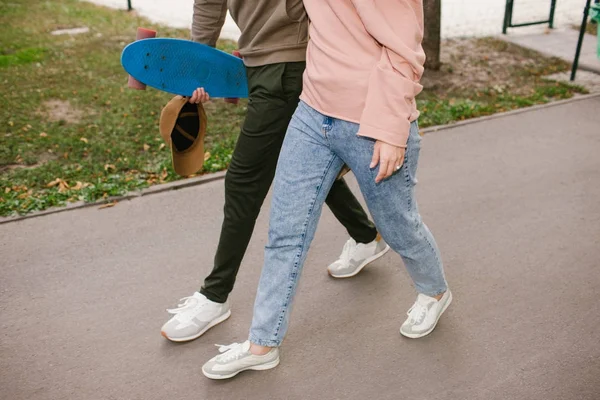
<point>181,66</point>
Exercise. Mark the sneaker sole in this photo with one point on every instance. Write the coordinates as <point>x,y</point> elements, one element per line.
<point>202,332</point>
<point>261,367</point>
<point>361,266</point>
<point>420,335</point>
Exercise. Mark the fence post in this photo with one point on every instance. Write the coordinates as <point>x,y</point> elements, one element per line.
<point>507,15</point>
<point>552,9</point>
<point>586,12</point>
<point>129,8</point>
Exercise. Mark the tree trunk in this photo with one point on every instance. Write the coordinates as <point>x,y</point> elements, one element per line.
<point>431,41</point>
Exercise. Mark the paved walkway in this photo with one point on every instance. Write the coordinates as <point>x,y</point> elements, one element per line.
<point>513,202</point>
<point>561,43</point>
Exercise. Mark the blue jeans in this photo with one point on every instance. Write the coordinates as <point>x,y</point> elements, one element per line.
<point>314,150</point>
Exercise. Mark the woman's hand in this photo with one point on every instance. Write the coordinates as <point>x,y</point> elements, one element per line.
<point>389,158</point>
<point>199,96</point>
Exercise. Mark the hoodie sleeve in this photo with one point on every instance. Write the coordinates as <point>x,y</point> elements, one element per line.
<point>209,17</point>
<point>397,25</point>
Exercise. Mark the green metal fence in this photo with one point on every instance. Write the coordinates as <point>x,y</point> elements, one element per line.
<point>508,15</point>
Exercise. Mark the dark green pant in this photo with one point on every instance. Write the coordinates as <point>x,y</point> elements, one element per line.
<point>274,95</point>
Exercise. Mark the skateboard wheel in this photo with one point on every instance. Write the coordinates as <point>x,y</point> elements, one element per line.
<point>142,33</point>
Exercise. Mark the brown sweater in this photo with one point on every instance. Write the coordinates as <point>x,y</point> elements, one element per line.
<point>273,31</point>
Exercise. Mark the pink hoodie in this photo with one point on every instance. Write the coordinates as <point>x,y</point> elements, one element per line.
<point>364,63</point>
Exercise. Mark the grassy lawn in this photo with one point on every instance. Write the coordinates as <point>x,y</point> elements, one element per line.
<point>70,129</point>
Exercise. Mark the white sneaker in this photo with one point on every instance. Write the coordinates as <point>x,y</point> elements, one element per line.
<point>423,316</point>
<point>356,256</point>
<point>193,317</point>
<point>237,358</point>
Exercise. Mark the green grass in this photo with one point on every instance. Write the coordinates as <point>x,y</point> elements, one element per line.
<point>109,144</point>
<point>523,86</point>
<point>113,146</point>
<point>439,110</point>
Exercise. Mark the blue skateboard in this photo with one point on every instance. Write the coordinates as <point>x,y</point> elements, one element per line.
<point>181,66</point>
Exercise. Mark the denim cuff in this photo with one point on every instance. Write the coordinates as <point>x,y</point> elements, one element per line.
<point>263,342</point>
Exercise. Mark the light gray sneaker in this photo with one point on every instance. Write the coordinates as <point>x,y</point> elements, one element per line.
<point>193,317</point>
<point>424,315</point>
<point>236,358</point>
<point>356,256</point>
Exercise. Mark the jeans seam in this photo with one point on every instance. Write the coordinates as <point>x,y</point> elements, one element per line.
<point>298,256</point>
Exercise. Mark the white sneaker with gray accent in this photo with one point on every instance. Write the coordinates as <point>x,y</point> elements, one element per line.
<point>356,256</point>
<point>424,315</point>
<point>236,358</point>
<point>193,317</point>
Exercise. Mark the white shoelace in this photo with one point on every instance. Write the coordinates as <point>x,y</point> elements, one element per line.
<point>229,352</point>
<point>188,303</point>
<point>417,312</point>
<point>347,252</point>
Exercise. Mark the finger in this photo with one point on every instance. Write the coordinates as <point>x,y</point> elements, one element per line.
<point>383,167</point>
<point>375,158</point>
<point>391,168</point>
<point>201,94</point>
<point>194,98</point>
<point>191,99</point>
<point>400,161</point>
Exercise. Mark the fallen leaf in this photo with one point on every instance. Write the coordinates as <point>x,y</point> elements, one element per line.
<point>78,186</point>
<point>7,190</point>
<point>66,155</point>
<point>10,123</point>
<point>107,205</point>
<point>84,140</point>
<point>162,146</point>
<point>63,186</point>
<point>43,134</point>
<point>146,147</point>
<point>53,183</point>
<point>206,156</point>
<point>109,166</point>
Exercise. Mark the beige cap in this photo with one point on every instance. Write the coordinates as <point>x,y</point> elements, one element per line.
<point>183,127</point>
